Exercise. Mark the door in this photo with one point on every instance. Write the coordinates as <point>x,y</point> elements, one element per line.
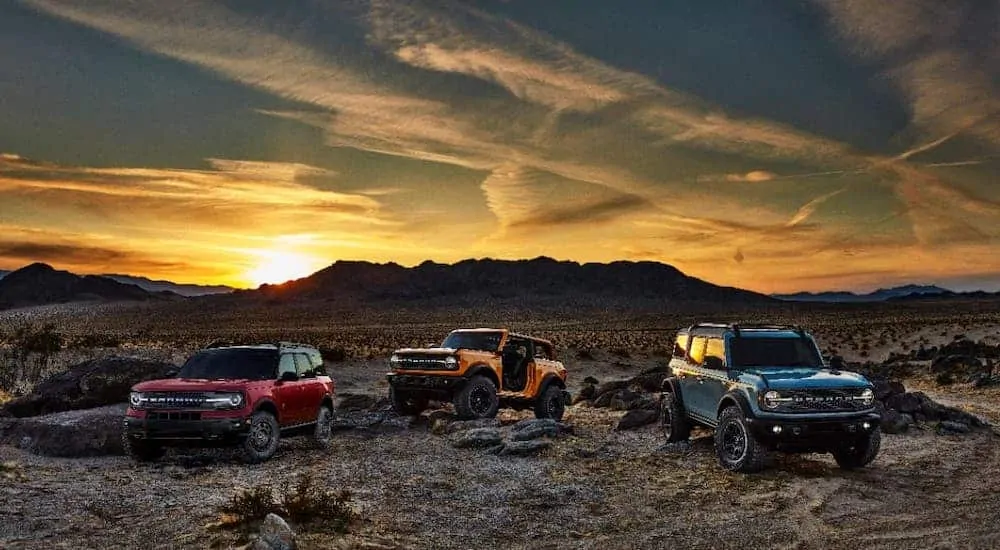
<point>715,379</point>
<point>289,393</point>
<point>312,389</point>
<point>693,390</point>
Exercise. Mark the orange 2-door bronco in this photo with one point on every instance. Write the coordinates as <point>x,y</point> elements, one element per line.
<point>480,370</point>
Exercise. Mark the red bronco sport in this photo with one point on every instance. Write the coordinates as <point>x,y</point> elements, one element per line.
<point>246,396</point>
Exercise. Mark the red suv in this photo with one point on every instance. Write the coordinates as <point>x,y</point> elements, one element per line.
<point>248,396</point>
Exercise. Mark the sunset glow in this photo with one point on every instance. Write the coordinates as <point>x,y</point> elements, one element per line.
<point>279,267</point>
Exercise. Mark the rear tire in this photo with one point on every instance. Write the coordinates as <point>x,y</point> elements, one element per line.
<point>735,445</point>
<point>861,454</point>
<point>141,450</point>
<point>322,434</point>
<point>405,404</point>
<point>675,427</point>
<point>551,404</point>
<point>262,441</point>
<point>477,399</point>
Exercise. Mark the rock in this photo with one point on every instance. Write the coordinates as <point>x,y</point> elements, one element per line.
<point>590,380</point>
<point>585,394</point>
<point>957,365</point>
<point>535,428</point>
<point>981,380</point>
<point>651,380</point>
<point>478,438</point>
<point>275,534</point>
<point>355,402</point>
<point>524,448</point>
<point>462,425</point>
<point>895,422</point>
<point>88,432</point>
<point>95,383</point>
<point>636,418</point>
<point>603,400</point>
<point>610,387</point>
<point>624,400</point>
<point>948,426</point>
<point>906,402</point>
<point>944,379</point>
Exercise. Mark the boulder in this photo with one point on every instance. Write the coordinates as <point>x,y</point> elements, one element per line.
<point>462,425</point>
<point>81,433</point>
<point>275,534</point>
<point>524,448</point>
<point>895,422</point>
<point>355,402</point>
<point>957,365</point>
<point>650,380</point>
<point>90,384</point>
<point>951,427</point>
<point>591,381</point>
<point>535,428</point>
<point>624,400</point>
<point>610,387</point>
<point>636,418</point>
<point>905,402</point>
<point>478,438</point>
<point>585,394</point>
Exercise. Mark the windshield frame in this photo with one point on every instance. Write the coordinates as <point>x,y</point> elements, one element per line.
<point>481,334</point>
<point>234,367</point>
<point>807,345</point>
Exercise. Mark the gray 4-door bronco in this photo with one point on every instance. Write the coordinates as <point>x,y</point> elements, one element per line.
<point>766,388</point>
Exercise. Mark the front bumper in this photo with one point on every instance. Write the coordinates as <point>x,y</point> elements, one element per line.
<point>177,427</point>
<point>805,434</point>
<point>425,382</point>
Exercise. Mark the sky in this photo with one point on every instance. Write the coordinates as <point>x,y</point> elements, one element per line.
<point>774,146</point>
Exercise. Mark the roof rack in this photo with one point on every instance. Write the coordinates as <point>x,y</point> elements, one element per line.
<point>737,327</point>
<point>292,345</point>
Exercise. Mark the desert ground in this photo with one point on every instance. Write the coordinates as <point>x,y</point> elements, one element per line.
<point>597,487</point>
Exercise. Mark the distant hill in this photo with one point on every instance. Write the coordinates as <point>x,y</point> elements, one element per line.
<point>3,273</point>
<point>152,285</point>
<point>41,284</point>
<point>879,295</point>
<point>520,282</point>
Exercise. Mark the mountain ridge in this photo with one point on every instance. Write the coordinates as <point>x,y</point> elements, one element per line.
<point>161,285</point>
<point>879,295</point>
<point>41,284</point>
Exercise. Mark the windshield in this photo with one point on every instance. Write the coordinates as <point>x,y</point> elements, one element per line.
<point>233,364</point>
<point>773,352</point>
<point>483,341</point>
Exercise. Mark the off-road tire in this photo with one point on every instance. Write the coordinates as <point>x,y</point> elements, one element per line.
<point>735,446</point>
<point>141,450</point>
<point>322,432</point>
<point>551,404</point>
<point>672,421</point>
<point>477,399</point>
<point>262,441</point>
<point>862,453</point>
<point>405,404</point>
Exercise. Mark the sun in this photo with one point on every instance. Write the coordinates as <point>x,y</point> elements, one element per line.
<point>279,267</point>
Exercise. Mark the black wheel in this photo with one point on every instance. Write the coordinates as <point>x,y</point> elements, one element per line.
<point>672,421</point>
<point>551,404</point>
<point>735,446</point>
<point>861,453</point>
<point>141,450</point>
<point>405,403</point>
<point>262,441</point>
<point>324,425</point>
<point>477,399</point>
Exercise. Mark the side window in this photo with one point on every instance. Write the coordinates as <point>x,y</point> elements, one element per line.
<point>317,361</point>
<point>716,348</point>
<point>287,364</point>
<point>680,346</point>
<point>697,355</point>
<point>542,351</point>
<point>303,366</point>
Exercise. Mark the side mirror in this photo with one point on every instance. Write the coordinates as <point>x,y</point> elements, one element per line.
<point>288,376</point>
<point>171,373</point>
<point>837,362</point>
<point>714,363</point>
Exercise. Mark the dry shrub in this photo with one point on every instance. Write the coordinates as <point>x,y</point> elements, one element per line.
<point>304,503</point>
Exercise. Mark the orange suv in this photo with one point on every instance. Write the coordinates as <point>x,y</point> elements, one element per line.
<point>248,396</point>
<point>479,371</point>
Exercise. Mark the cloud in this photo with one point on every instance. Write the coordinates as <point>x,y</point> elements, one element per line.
<point>808,209</point>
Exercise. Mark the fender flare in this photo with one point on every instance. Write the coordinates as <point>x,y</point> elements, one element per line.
<point>549,380</point>
<point>672,385</point>
<point>268,404</point>
<point>482,369</point>
<point>738,399</point>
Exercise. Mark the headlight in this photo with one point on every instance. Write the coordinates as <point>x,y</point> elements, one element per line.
<point>772,399</point>
<point>136,400</point>
<point>451,362</point>
<point>867,397</point>
<point>394,360</point>
<point>225,400</point>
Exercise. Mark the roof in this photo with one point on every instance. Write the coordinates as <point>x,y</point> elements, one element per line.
<point>274,346</point>
<point>509,333</point>
<point>747,329</point>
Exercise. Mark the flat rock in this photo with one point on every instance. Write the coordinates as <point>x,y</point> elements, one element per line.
<point>478,438</point>
<point>80,433</point>
<point>462,425</point>
<point>524,448</point>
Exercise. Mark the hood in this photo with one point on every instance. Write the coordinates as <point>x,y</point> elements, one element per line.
<point>193,384</point>
<point>806,378</point>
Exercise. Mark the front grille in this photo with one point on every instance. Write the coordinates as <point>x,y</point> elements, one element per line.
<point>175,400</point>
<point>163,415</point>
<point>421,363</point>
<point>821,401</point>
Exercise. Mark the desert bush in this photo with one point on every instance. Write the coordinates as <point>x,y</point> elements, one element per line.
<point>335,354</point>
<point>28,355</point>
<point>305,503</point>
<point>90,341</point>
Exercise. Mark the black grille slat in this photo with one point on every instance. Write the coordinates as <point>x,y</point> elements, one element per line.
<point>421,363</point>
<point>821,401</point>
<point>163,415</point>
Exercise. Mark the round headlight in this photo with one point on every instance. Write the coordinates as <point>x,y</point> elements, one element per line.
<point>451,362</point>
<point>394,358</point>
<point>235,400</point>
<point>771,399</point>
<point>135,399</point>
<point>867,396</point>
